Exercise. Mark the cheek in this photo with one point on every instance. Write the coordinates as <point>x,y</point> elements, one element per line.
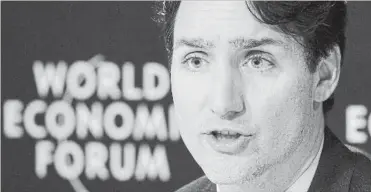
<point>189,96</point>
<point>279,110</point>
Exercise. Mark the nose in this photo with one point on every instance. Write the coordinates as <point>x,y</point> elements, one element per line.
<point>226,99</point>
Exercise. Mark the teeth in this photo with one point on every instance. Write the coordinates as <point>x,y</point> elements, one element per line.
<point>225,134</point>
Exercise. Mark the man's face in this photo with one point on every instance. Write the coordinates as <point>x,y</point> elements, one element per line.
<point>242,91</point>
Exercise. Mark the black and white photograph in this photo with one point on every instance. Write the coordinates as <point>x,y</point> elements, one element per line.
<point>186,96</point>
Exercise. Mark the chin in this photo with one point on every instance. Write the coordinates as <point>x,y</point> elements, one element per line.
<point>228,175</point>
<point>224,180</point>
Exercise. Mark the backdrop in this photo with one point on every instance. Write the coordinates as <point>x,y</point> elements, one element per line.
<point>86,101</point>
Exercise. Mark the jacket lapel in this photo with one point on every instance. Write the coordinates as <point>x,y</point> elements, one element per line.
<point>335,166</point>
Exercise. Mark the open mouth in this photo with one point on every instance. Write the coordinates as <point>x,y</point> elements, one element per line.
<point>227,141</point>
<point>225,134</point>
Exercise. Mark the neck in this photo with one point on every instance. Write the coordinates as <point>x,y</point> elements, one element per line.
<point>282,175</point>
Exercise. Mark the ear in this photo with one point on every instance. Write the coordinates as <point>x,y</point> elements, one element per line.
<point>328,71</point>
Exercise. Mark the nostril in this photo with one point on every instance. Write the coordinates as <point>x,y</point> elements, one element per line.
<point>228,110</point>
<point>229,115</point>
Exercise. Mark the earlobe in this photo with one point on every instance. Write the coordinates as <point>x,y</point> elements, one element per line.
<point>328,71</point>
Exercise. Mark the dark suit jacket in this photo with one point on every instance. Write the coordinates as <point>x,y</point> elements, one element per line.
<point>339,170</point>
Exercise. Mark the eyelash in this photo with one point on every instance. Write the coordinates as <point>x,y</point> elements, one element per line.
<point>193,55</point>
<point>258,55</point>
<point>251,55</point>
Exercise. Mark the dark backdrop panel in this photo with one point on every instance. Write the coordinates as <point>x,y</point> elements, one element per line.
<point>122,32</point>
<point>354,85</point>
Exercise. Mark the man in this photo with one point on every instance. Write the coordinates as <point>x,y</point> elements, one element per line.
<point>252,83</point>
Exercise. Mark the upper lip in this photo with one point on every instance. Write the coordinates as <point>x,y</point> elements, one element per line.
<point>226,127</point>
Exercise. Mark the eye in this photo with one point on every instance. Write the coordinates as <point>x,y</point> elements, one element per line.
<point>195,62</point>
<point>258,62</point>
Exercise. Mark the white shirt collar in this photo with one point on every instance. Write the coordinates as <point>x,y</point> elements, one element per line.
<point>302,184</point>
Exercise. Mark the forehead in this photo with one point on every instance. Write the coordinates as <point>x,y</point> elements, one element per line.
<point>219,21</point>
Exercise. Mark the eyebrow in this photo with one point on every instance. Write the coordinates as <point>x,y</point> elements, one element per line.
<point>195,43</point>
<point>239,43</point>
<point>253,43</point>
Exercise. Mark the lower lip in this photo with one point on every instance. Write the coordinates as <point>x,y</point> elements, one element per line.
<point>227,145</point>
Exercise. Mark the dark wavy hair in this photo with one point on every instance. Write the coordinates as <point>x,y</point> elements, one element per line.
<point>317,25</point>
